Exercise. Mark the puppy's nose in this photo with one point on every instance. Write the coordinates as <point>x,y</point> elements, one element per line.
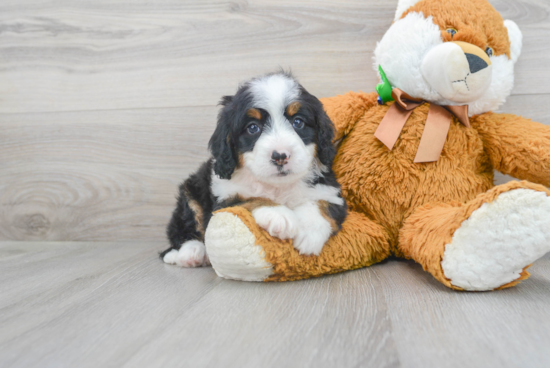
<point>279,158</point>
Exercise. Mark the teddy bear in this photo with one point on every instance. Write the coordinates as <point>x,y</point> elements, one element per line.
<point>416,163</point>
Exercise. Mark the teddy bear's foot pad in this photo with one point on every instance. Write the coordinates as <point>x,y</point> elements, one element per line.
<point>499,240</point>
<point>233,251</point>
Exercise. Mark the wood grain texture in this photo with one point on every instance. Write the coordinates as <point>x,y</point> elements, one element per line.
<point>484,329</point>
<point>78,304</point>
<point>106,105</point>
<point>97,175</point>
<point>113,174</point>
<point>81,55</point>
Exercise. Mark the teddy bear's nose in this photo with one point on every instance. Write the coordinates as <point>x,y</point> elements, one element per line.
<point>477,58</point>
<point>476,63</point>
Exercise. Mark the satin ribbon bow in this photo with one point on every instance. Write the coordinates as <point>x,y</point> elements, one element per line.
<point>435,131</point>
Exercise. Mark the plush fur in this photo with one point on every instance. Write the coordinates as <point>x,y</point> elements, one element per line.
<point>483,263</point>
<point>240,249</point>
<point>433,211</point>
<point>231,246</point>
<point>272,154</point>
<point>416,36</point>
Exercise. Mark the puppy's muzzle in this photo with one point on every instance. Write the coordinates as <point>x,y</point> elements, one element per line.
<point>279,158</point>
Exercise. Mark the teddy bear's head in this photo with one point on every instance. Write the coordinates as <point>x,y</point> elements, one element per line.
<point>451,52</point>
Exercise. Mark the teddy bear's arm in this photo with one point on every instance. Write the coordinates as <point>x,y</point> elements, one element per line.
<point>346,110</point>
<point>516,146</point>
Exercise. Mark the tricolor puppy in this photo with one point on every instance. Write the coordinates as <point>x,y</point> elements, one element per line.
<point>272,153</point>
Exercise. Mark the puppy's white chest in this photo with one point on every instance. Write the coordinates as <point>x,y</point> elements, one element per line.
<point>290,195</point>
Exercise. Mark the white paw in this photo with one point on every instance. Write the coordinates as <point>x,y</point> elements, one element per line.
<point>499,240</point>
<point>311,242</point>
<point>279,221</point>
<point>191,254</point>
<point>314,229</point>
<point>170,257</point>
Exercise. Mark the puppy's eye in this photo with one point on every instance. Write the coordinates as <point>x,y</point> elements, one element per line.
<point>298,123</point>
<point>489,51</point>
<point>451,31</point>
<point>253,129</point>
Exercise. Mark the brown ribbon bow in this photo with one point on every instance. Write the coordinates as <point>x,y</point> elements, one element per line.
<point>435,131</point>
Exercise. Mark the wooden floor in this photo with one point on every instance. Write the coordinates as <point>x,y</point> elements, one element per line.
<point>106,105</point>
<point>116,305</point>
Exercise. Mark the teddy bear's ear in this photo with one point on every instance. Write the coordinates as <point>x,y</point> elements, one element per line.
<point>515,37</point>
<point>402,7</point>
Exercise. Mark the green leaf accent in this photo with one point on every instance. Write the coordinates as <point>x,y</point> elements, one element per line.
<point>384,89</point>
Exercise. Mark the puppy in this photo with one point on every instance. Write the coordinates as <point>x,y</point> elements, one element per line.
<point>272,153</point>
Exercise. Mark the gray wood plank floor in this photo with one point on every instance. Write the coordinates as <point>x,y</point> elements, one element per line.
<point>101,304</point>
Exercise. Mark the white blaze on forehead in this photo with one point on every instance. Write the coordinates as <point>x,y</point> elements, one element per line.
<point>274,93</point>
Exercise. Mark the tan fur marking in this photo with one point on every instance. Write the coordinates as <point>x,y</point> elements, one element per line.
<point>293,108</point>
<point>253,203</point>
<point>323,208</point>
<point>240,163</point>
<point>197,209</point>
<point>254,114</point>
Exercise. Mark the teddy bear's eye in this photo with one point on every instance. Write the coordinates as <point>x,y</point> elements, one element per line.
<point>489,51</point>
<point>451,31</point>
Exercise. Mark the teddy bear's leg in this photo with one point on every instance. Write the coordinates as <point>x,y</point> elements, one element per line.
<point>239,249</point>
<point>484,244</point>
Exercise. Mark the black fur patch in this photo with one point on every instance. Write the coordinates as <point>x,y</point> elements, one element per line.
<point>183,226</point>
<point>336,211</point>
<point>324,128</point>
<point>231,137</point>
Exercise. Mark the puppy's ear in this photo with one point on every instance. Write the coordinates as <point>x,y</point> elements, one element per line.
<point>325,148</point>
<point>226,100</point>
<point>221,144</point>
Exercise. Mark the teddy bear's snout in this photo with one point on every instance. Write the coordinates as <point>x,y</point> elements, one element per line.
<point>458,71</point>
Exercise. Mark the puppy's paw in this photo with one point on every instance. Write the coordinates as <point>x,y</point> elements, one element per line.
<point>191,254</point>
<point>279,221</point>
<point>170,257</point>
<point>310,242</point>
<point>314,230</point>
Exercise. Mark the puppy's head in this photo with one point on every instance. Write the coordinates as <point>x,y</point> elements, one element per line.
<point>275,129</point>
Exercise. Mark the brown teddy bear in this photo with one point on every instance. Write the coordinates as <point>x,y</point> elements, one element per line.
<point>417,173</point>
